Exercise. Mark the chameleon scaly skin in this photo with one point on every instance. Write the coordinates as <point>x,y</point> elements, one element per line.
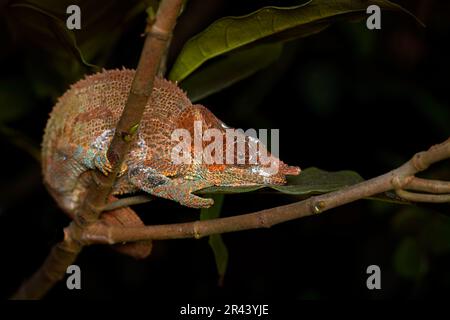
<point>81,126</point>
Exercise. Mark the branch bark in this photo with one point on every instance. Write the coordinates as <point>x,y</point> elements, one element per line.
<point>423,197</point>
<point>432,186</point>
<point>64,253</point>
<point>395,179</point>
<point>158,34</point>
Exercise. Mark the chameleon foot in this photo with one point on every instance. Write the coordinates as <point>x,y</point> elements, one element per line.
<point>179,190</point>
<point>194,201</point>
<point>103,164</point>
<point>181,194</point>
<point>123,169</point>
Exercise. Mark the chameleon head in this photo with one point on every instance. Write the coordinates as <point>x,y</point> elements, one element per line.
<point>261,167</point>
<point>257,167</point>
<point>257,174</point>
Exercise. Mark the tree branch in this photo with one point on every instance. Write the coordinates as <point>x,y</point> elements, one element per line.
<point>102,234</point>
<point>423,197</point>
<point>64,254</point>
<point>159,33</point>
<point>426,185</point>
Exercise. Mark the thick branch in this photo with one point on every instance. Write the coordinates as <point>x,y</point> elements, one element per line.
<point>155,44</point>
<point>100,233</point>
<point>65,253</point>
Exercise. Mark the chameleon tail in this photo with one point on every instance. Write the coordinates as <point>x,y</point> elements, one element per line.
<point>128,218</point>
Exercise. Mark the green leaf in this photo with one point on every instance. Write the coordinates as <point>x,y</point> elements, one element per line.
<point>314,180</point>
<point>230,69</point>
<point>215,241</point>
<point>269,24</point>
<point>151,14</point>
<point>214,211</point>
<point>409,260</point>
<point>309,181</point>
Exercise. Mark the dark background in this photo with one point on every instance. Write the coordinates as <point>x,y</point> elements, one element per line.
<point>347,98</point>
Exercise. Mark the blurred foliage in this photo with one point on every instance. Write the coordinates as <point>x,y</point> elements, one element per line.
<point>41,23</point>
<point>54,24</point>
<point>14,103</point>
<point>18,139</point>
<point>424,236</point>
<point>409,260</point>
<point>216,241</point>
<point>229,69</point>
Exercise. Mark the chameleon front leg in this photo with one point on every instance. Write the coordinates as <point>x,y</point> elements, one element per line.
<point>95,157</point>
<point>178,189</point>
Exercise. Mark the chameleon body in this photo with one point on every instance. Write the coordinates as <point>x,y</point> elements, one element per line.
<point>81,126</point>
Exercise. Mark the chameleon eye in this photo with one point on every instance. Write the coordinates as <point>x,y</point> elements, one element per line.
<point>61,156</point>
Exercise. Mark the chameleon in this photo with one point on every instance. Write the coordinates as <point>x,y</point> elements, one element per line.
<point>81,126</point>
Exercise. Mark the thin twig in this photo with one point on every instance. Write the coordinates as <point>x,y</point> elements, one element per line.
<point>100,233</point>
<point>126,202</point>
<point>423,197</point>
<point>426,185</point>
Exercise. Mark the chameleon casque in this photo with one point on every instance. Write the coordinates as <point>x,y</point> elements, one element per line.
<point>81,126</point>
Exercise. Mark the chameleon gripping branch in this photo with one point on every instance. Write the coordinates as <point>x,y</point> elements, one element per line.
<point>159,33</point>
<point>397,179</point>
<point>64,254</point>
